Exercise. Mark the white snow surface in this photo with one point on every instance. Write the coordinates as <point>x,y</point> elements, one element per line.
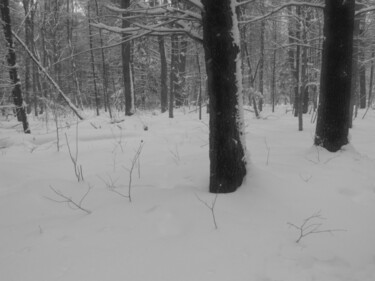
<point>166,233</point>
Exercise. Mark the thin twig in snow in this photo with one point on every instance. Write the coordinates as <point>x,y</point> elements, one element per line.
<point>71,203</point>
<point>210,207</point>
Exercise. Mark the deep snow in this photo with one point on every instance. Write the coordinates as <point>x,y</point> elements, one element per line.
<point>166,233</point>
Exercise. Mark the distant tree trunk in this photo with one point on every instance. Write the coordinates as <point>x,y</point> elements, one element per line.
<point>333,113</point>
<point>12,64</point>
<point>293,57</point>
<point>226,138</point>
<point>261,65</point>
<point>273,83</point>
<point>371,78</point>
<point>97,104</point>
<point>306,16</point>
<point>362,69</point>
<point>300,69</point>
<point>26,6</point>
<point>181,66</point>
<point>353,90</point>
<point>163,76</point>
<point>173,80</point>
<point>106,97</point>
<point>126,67</point>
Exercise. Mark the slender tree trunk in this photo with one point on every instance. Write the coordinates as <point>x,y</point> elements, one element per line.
<point>333,113</point>
<point>26,6</point>
<point>273,85</point>
<point>302,78</point>
<point>126,67</point>
<point>353,90</point>
<point>106,97</point>
<point>97,103</point>
<point>222,53</point>
<point>261,64</point>
<point>293,60</point>
<point>362,69</point>
<point>371,78</point>
<point>163,76</point>
<point>12,64</point>
<point>173,80</point>
<point>181,66</point>
<point>199,85</point>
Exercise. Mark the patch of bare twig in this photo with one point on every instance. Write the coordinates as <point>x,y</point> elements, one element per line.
<point>310,226</point>
<point>78,171</point>
<point>134,162</point>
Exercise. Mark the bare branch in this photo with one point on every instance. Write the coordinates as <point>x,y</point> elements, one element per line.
<point>279,8</point>
<point>308,227</point>
<point>69,200</point>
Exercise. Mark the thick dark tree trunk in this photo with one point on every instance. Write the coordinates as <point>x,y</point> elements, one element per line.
<point>12,63</point>
<point>126,67</point>
<point>222,53</point>
<point>163,76</point>
<point>333,113</point>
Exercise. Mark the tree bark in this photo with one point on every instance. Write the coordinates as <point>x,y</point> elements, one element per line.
<point>371,78</point>
<point>126,67</point>
<point>163,76</point>
<point>26,6</point>
<point>222,53</point>
<point>181,67</point>
<point>362,69</point>
<point>106,98</point>
<point>12,63</point>
<point>261,65</point>
<point>173,79</point>
<point>333,113</point>
<point>97,103</point>
<point>274,57</point>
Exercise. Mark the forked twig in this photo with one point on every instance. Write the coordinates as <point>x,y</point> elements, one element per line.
<point>210,207</point>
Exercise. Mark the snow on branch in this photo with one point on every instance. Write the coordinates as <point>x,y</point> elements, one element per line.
<point>279,8</point>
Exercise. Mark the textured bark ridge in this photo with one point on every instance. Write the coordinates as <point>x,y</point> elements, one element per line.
<point>227,152</point>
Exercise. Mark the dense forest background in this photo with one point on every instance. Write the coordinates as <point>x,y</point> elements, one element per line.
<point>80,44</point>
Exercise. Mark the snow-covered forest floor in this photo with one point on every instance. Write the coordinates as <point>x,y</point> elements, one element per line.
<point>167,233</point>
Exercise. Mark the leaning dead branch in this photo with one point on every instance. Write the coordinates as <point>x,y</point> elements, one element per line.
<point>49,77</point>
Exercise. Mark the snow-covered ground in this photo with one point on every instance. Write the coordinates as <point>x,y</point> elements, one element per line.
<point>167,233</point>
